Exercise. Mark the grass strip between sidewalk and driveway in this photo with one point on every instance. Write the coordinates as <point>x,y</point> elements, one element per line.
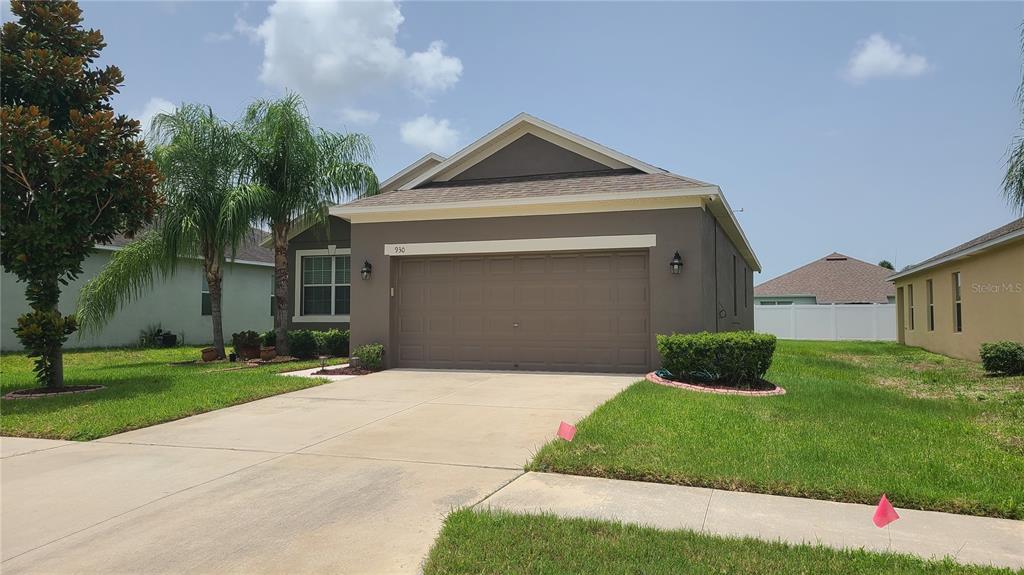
<point>859,419</point>
<point>500,542</point>
<point>141,389</point>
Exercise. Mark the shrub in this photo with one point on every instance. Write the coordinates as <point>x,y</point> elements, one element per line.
<point>333,342</point>
<point>269,338</point>
<point>1005,357</point>
<point>245,340</point>
<point>734,358</point>
<point>371,355</point>
<point>302,344</point>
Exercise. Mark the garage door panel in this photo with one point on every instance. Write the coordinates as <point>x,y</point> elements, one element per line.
<point>411,324</point>
<point>470,266</point>
<point>532,264</point>
<point>440,268</point>
<point>631,325</point>
<point>440,296</point>
<point>633,265</point>
<point>439,326</point>
<point>586,311</point>
<point>469,294</point>
<point>501,266</point>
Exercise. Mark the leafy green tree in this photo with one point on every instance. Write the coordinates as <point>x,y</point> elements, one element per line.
<point>301,170</point>
<point>1013,182</point>
<point>886,264</point>
<point>73,174</point>
<point>207,213</point>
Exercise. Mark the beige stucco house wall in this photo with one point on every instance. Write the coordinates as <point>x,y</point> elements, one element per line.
<point>992,301</point>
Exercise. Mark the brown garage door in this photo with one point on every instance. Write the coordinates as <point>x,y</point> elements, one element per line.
<point>587,311</point>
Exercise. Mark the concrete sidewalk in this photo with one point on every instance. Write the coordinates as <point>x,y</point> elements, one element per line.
<point>928,534</point>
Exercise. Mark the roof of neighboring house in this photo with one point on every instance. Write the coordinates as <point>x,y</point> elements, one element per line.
<point>249,252</point>
<point>603,182</point>
<point>1002,234</point>
<point>835,278</point>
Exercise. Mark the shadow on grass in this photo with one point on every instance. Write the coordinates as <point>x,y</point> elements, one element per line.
<point>113,389</point>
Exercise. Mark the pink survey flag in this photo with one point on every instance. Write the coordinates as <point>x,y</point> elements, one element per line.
<point>566,431</point>
<point>884,514</point>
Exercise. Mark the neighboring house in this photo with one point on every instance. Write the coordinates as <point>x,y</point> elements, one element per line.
<point>974,293</point>
<point>180,304</point>
<point>833,279</point>
<point>532,248</point>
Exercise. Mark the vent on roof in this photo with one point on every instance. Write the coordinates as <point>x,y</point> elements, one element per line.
<point>835,258</point>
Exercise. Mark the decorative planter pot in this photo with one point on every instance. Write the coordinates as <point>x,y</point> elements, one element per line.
<point>249,352</point>
<point>209,353</point>
<point>268,353</point>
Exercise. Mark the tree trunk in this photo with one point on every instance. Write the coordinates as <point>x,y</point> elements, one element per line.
<point>281,318</point>
<point>214,275</point>
<point>44,296</point>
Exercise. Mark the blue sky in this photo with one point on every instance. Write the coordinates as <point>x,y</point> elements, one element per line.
<point>877,130</point>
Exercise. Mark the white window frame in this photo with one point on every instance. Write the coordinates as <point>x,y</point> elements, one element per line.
<point>331,251</point>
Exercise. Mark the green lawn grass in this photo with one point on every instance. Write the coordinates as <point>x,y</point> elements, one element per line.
<point>141,389</point>
<point>859,419</point>
<point>497,542</point>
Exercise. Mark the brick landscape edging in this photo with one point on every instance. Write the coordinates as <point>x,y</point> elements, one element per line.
<point>655,378</point>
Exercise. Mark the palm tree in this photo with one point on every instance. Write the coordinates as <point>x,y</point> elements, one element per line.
<point>206,213</point>
<point>1013,182</point>
<point>301,170</point>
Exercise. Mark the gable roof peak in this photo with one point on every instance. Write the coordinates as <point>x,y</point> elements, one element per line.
<point>520,124</point>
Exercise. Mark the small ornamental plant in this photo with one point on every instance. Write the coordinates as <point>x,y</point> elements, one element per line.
<point>370,355</point>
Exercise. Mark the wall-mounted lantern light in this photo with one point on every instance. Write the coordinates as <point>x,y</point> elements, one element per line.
<point>676,264</point>
<point>367,270</point>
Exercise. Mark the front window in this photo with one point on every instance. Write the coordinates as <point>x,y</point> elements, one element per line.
<point>326,285</point>
<point>931,305</point>
<point>910,307</point>
<point>958,320</point>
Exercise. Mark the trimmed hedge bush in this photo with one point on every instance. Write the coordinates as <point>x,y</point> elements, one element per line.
<point>302,344</point>
<point>371,356</point>
<point>333,342</point>
<point>1005,357</point>
<point>734,358</point>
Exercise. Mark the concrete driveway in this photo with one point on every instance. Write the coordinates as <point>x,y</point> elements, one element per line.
<point>350,477</point>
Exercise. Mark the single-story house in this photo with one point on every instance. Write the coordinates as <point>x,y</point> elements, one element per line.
<point>180,304</point>
<point>833,279</point>
<point>532,248</point>
<point>953,302</point>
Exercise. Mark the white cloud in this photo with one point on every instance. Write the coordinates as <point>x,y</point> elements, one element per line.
<point>877,57</point>
<point>153,107</point>
<point>359,117</point>
<point>430,134</point>
<point>432,71</point>
<point>341,50</point>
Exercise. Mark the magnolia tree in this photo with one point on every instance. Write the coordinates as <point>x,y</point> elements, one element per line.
<point>73,174</point>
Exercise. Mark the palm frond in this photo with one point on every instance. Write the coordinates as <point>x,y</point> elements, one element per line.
<point>1013,182</point>
<point>130,273</point>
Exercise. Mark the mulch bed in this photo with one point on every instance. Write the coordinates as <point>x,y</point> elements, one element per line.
<point>348,370</point>
<point>39,392</point>
<point>759,389</point>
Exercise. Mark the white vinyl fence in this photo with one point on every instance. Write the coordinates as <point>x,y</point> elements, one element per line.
<point>828,322</point>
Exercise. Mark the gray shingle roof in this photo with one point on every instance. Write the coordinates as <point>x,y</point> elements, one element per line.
<point>834,278</point>
<point>610,181</point>
<point>1013,226</point>
<point>249,251</point>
